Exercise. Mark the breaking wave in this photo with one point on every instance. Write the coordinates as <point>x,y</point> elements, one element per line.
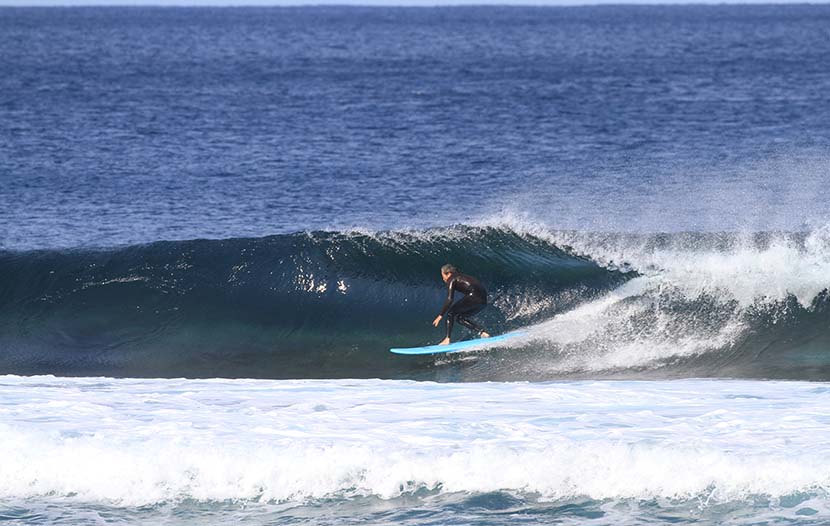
<point>330,304</point>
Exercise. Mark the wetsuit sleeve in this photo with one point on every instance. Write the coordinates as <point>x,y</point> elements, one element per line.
<point>448,301</point>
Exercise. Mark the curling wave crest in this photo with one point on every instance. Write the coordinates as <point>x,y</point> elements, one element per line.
<point>330,304</point>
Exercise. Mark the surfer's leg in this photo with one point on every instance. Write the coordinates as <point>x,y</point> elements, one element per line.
<point>470,324</point>
<point>464,309</point>
<point>450,323</point>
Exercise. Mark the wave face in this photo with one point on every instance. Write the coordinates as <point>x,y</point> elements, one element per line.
<point>330,304</point>
<point>287,306</point>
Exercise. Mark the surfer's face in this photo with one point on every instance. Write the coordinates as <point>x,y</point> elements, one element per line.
<point>445,276</point>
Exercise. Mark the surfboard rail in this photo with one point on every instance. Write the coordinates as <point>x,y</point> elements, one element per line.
<point>457,346</point>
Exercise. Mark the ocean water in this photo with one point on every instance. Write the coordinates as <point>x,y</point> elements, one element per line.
<point>402,452</point>
<point>215,222</point>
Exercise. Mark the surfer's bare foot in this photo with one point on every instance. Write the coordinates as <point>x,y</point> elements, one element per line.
<point>445,341</point>
<point>483,334</point>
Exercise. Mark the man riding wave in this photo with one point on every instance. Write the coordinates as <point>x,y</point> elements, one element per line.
<point>474,300</point>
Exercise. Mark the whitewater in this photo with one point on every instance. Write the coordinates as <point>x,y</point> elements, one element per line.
<point>94,446</point>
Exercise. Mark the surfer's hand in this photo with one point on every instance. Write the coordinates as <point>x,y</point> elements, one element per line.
<point>436,321</point>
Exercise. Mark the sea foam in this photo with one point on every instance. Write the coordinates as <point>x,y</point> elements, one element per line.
<point>139,442</point>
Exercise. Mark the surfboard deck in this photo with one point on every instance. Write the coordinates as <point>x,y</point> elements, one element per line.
<point>457,346</point>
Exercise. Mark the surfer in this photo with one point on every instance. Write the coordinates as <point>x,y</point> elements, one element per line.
<point>474,300</point>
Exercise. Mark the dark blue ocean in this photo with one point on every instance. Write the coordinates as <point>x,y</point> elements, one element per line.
<point>133,125</point>
<point>215,222</point>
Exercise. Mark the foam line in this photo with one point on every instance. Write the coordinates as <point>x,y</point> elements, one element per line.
<point>137,442</point>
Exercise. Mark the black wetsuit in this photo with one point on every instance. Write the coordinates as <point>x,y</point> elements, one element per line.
<point>474,300</point>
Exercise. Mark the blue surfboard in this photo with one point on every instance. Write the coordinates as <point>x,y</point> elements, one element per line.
<point>458,346</point>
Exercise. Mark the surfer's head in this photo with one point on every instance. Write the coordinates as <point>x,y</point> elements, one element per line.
<point>447,271</point>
